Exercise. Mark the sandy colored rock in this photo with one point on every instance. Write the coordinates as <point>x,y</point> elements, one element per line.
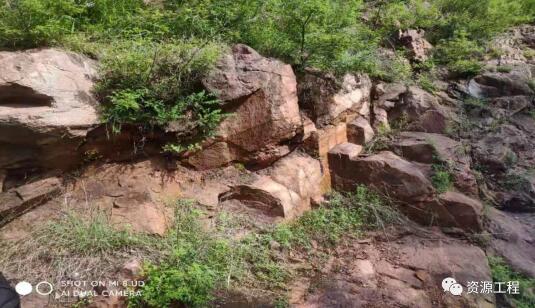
<point>466,212</point>
<point>285,190</point>
<point>15,202</point>
<point>261,96</point>
<point>46,108</point>
<point>328,100</point>
<point>359,131</point>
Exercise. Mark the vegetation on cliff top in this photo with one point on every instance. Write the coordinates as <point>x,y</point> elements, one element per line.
<point>154,55</point>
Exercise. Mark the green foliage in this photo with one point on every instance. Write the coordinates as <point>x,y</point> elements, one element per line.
<point>157,83</point>
<point>344,214</point>
<point>501,272</point>
<point>195,264</point>
<point>441,178</point>
<point>531,84</point>
<point>79,235</point>
<point>504,69</point>
<point>197,261</point>
<point>425,82</point>
<point>460,55</point>
<point>33,23</point>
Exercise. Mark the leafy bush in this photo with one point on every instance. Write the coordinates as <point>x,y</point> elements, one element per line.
<point>157,83</point>
<point>501,272</point>
<point>460,55</point>
<point>441,178</point>
<point>33,23</point>
<point>79,235</point>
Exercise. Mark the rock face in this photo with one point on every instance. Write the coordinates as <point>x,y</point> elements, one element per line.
<point>499,84</point>
<point>359,131</point>
<point>284,190</point>
<point>15,202</point>
<point>261,96</point>
<point>466,212</point>
<point>405,272</point>
<point>411,107</point>
<point>385,172</point>
<point>513,238</point>
<point>46,108</point>
<point>328,100</point>
<point>430,148</point>
<point>406,184</point>
<point>416,43</point>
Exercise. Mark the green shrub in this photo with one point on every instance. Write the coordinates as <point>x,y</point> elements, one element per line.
<point>460,55</point>
<point>154,84</point>
<point>189,284</point>
<point>501,272</point>
<point>441,178</point>
<point>504,69</point>
<point>79,235</point>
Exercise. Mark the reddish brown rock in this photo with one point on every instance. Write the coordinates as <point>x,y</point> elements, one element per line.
<point>418,46</point>
<point>46,108</point>
<point>412,108</point>
<point>385,172</point>
<point>430,148</point>
<point>261,96</point>
<point>466,212</point>
<point>359,131</point>
<point>328,100</point>
<point>16,202</point>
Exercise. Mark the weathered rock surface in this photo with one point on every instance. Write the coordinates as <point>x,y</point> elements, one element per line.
<point>385,172</point>
<point>46,108</point>
<point>466,212</point>
<point>412,107</point>
<point>16,202</point>
<point>415,42</point>
<point>405,272</point>
<point>499,84</point>
<point>513,238</point>
<point>406,184</point>
<point>261,95</point>
<point>359,131</point>
<point>284,190</point>
<point>328,100</point>
<point>428,148</point>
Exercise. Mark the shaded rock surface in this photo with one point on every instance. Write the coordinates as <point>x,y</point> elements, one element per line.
<point>285,190</point>
<point>261,96</point>
<point>329,100</point>
<point>17,201</point>
<point>428,148</point>
<point>46,108</point>
<point>412,108</point>
<point>406,271</point>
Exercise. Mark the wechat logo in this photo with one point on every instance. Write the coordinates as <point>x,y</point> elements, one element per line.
<point>450,285</point>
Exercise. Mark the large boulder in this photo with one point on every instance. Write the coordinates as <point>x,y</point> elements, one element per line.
<point>428,148</point>
<point>490,85</point>
<point>16,202</point>
<point>406,184</point>
<point>466,212</point>
<point>46,108</point>
<point>261,96</point>
<point>411,108</point>
<point>385,172</point>
<point>284,190</point>
<point>329,100</point>
<point>416,43</point>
